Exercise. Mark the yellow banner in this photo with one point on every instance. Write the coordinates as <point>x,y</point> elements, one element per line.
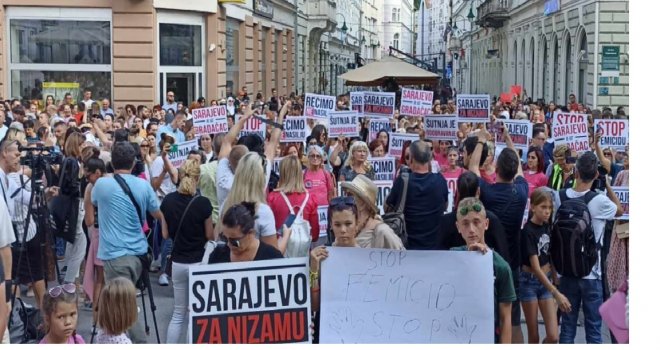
<point>60,85</point>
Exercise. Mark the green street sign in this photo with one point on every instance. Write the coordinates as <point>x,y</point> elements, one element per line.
<point>610,61</point>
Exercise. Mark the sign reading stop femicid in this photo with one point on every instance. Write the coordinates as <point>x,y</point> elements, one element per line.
<point>614,133</point>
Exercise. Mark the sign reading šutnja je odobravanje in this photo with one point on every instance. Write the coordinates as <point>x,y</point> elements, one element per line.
<point>256,302</point>
<point>441,127</point>
<point>344,123</point>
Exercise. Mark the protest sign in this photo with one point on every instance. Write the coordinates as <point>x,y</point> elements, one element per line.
<point>179,157</point>
<point>450,202</point>
<point>397,141</point>
<point>255,126</point>
<point>344,123</point>
<point>276,165</point>
<point>322,211</point>
<point>384,167</point>
<point>376,125</point>
<point>624,197</point>
<point>614,133</point>
<point>520,132</point>
<point>525,214</point>
<point>210,120</point>
<point>416,102</point>
<point>294,129</point>
<point>265,302</point>
<point>357,103</point>
<point>384,189</point>
<point>379,104</point>
<point>517,90</point>
<point>571,129</point>
<point>441,127</point>
<point>452,184</point>
<point>473,108</point>
<point>319,106</point>
<point>506,97</point>
<point>392,296</point>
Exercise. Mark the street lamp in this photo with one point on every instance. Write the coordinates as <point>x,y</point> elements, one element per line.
<point>343,28</point>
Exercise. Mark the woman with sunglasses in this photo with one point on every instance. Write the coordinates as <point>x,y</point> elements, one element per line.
<point>561,175</point>
<point>240,236</point>
<point>318,181</point>
<point>60,314</point>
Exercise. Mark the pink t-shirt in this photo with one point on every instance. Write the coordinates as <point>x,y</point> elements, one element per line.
<point>488,178</point>
<point>452,177</point>
<point>316,183</point>
<point>535,180</point>
<point>71,340</point>
<point>441,158</point>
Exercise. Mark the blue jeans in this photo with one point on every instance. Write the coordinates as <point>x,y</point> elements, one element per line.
<point>589,293</point>
<point>165,250</point>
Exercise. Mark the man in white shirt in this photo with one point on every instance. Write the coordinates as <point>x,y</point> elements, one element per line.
<point>170,103</point>
<point>587,291</point>
<point>87,99</point>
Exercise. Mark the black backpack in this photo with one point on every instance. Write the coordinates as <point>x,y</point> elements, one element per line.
<point>573,246</point>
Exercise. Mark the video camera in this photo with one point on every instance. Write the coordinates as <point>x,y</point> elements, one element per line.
<point>40,159</point>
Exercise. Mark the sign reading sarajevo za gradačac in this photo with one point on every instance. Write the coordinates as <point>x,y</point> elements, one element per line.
<point>210,120</point>
<point>416,102</point>
<point>391,296</point>
<point>571,129</point>
<point>256,302</point>
<point>473,108</point>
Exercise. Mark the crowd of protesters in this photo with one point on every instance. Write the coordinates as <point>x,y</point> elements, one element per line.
<point>116,179</point>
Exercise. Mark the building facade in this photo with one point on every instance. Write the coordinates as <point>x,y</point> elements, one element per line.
<point>434,21</point>
<point>134,51</point>
<point>398,26</point>
<point>552,48</point>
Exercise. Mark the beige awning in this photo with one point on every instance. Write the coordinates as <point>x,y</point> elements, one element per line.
<point>376,73</point>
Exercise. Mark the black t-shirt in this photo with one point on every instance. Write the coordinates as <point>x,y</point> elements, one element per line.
<point>495,236</point>
<point>189,246</point>
<point>535,241</point>
<point>508,202</point>
<point>264,252</point>
<point>426,201</point>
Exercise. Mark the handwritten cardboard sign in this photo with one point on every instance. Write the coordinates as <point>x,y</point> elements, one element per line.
<point>387,296</point>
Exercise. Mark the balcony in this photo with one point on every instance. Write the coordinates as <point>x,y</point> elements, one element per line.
<point>493,13</point>
<point>321,14</point>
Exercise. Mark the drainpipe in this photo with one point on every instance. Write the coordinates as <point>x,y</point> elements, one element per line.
<point>596,53</point>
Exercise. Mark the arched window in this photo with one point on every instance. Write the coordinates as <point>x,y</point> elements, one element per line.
<point>569,67</point>
<point>396,41</point>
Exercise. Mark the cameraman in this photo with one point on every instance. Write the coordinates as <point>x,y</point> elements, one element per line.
<point>122,243</point>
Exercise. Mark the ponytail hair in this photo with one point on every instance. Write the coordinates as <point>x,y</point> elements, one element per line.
<point>242,215</point>
<point>189,172</point>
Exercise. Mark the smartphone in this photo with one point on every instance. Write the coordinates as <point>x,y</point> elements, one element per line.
<point>288,222</point>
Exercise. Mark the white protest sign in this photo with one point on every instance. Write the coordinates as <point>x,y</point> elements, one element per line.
<point>323,220</point>
<point>210,120</point>
<point>391,296</point>
<point>379,104</point>
<point>384,189</point>
<point>319,106</point>
<point>254,126</point>
<point>179,157</point>
<point>384,167</point>
<point>344,123</point>
<point>265,302</point>
<point>525,214</point>
<point>276,165</point>
<point>520,132</point>
<point>614,133</point>
<point>376,125</point>
<point>441,127</point>
<point>416,102</point>
<point>357,103</point>
<point>294,129</point>
<point>473,108</point>
<point>571,129</point>
<point>450,202</point>
<point>397,141</point>
<point>624,197</point>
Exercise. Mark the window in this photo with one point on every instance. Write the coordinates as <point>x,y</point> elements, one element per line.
<point>396,41</point>
<point>233,55</point>
<point>51,56</point>
<point>180,45</point>
<point>394,15</point>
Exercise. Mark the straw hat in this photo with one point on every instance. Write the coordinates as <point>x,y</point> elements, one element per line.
<point>363,188</point>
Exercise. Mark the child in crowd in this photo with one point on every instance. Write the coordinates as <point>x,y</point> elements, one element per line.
<point>117,311</point>
<point>60,310</point>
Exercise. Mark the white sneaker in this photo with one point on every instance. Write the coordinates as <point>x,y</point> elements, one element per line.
<point>163,281</point>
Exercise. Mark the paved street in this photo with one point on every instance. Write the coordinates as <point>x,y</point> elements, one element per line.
<point>164,304</point>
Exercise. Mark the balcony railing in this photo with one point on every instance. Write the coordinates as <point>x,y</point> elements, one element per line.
<point>493,13</point>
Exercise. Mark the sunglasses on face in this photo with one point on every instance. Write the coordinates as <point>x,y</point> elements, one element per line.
<point>466,209</point>
<point>233,242</point>
<point>68,288</point>
<point>144,146</point>
<point>314,156</point>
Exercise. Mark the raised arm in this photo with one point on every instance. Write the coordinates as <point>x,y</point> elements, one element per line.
<point>275,135</point>
<point>483,136</point>
<point>509,144</point>
<point>232,136</point>
<point>606,163</point>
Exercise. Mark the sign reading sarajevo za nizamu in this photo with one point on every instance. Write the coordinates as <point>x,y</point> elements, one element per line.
<point>379,104</point>
<point>256,302</point>
<point>473,108</point>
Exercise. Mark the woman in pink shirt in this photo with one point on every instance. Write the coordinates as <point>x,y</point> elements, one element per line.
<point>440,153</point>
<point>452,171</point>
<point>319,182</point>
<point>534,174</point>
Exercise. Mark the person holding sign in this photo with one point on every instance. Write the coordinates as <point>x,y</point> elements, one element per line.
<point>240,236</point>
<point>372,231</point>
<point>472,223</point>
<point>357,163</point>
